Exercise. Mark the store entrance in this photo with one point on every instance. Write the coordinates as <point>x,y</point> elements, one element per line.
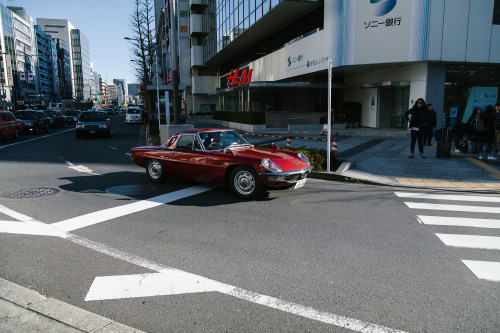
<point>393,104</point>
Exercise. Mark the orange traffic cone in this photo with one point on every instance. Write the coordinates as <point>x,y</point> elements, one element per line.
<point>288,142</point>
<point>334,146</point>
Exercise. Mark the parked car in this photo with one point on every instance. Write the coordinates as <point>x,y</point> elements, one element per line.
<point>222,156</point>
<point>93,123</point>
<point>56,117</point>
<point>10,126</point>
<point>133,115</point>
<point>33,121</point>
<point>72,116</point>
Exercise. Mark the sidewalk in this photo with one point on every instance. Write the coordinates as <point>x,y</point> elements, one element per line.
<point>380,156</point>
<point>23,310</point>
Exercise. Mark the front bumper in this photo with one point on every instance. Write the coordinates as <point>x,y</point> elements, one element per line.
<point>290,177</point>
<point>133,120</point>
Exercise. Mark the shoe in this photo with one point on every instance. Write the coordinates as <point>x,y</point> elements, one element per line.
<point>411,156</point>
<point>491,157</point>
<point>422,156</point>
<point>457,150</point>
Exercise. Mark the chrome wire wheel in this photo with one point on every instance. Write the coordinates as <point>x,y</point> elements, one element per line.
<point>155,171</point>
<point>244,183</point>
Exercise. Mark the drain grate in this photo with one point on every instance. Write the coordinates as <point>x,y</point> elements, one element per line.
<point>30,193</point>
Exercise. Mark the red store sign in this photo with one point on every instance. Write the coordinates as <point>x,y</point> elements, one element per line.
<point>234,80</point>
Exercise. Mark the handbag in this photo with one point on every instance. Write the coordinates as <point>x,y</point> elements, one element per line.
<point>481,127</point>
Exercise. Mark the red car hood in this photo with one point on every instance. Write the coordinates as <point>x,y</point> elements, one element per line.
<point>285,160</point>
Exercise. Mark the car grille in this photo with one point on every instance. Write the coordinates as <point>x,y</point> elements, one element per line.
<point>92,127</point>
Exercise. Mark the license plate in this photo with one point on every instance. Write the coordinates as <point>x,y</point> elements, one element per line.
<point>92,132</point>
<point>300,183</point>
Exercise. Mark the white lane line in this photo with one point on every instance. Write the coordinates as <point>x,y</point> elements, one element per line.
<point>454,208</point>
<point>111,147</point>
<point>472,198</point>
<point>81,168</point>
<point>37,138</point>
<point>112,213</point>
<point>156,283</point>
<point>471,241</point>
<point>14,214</point>
<point>486,270</point>
<point>459,221</point>
<point>268,301</point>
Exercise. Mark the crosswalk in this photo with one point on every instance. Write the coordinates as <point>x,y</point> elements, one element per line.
<point>487,270</point>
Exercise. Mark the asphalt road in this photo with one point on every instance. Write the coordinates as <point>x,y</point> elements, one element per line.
<point>197,259</point>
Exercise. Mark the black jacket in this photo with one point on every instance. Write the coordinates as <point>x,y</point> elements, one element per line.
<point>420,117</point>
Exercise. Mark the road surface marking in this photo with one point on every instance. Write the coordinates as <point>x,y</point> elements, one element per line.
<point>81,168</point>
<point>37,138</point>
<point>471,241</point>
<point>180,281</point>
<point>115,212</point>
<point>473,198</point>
<point>14,214</point>
<point>459,221</point>
<point>486,270</point>
<point>454,208</point>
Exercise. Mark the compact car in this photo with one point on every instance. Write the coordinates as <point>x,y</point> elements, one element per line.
<point>56,117</point>
<point>9,125</point>
<point>33,121</point>
<point>223,156</point>
<point>133,116</point>
<point>72,116</point>
<point>93,123</point>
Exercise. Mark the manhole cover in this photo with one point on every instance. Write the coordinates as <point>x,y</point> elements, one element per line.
<point>29,193</point>
<point>129,189</point>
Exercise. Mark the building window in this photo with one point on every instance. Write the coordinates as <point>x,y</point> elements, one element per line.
<point>496,13</point>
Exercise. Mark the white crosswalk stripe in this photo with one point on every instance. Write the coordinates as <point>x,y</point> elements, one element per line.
<point>486,270</point>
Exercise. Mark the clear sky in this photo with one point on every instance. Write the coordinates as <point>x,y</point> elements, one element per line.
<point>103,22</point>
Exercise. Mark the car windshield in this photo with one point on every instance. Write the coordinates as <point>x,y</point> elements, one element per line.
<point>134,111</point>
<point>26,115</point>
<point>92,116</point>
<point>218,140</point>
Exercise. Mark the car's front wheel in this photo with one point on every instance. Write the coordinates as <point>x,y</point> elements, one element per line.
<point>155,171</point>
<point>245,183</point>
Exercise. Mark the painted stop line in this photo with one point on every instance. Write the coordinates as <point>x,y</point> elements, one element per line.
<point>167,280</point>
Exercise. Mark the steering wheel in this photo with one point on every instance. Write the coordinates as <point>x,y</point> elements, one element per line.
<point>213,143</point>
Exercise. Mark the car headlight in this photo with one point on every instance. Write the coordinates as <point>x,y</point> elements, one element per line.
<point>303,158</point>
<point>103,126</point>
<point>270,165</point>
<point>80,126</point>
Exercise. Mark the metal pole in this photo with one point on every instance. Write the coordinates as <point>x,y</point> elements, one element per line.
<point>158,93</point>
<point>329,129</point>
<point>175,64</point>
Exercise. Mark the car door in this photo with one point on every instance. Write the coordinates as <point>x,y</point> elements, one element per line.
<point>187,159</point>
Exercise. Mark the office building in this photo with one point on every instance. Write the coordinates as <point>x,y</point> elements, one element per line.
<point>272,56</point>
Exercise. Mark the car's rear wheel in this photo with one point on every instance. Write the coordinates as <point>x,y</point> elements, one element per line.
<point>155,171</point>
<point>245,183</point>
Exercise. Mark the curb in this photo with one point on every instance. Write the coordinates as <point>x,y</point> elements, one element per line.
<point>51,308</point>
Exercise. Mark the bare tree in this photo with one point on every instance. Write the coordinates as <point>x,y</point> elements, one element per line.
<point>143,47</point>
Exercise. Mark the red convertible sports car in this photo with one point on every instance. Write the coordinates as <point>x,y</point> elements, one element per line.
<point>222,156</point>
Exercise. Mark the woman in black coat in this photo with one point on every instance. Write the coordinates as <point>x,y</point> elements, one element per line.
<point>418,118</point>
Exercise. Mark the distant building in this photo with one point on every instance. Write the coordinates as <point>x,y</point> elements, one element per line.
<point>63,70</point>
<point>123,84</point>
<point>46,72</point>
<point>78,48</point>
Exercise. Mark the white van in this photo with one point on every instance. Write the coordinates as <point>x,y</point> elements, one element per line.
<point>133,115</point>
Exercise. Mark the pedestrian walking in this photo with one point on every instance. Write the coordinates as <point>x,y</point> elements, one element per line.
<point>429,129</point>
<point>496,126</point>
<point>418,118</point>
